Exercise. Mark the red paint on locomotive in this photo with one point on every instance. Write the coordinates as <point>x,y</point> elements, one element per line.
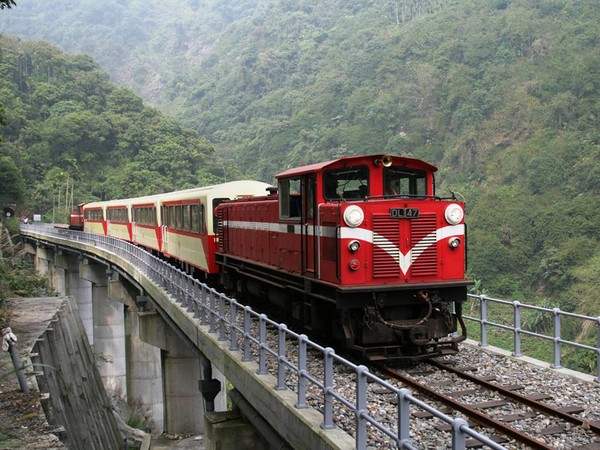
<point>76,218</point>
<point>361,240</point>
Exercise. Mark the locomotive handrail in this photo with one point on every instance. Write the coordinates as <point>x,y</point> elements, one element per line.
<point>206,306</point>
<point>516,328</point>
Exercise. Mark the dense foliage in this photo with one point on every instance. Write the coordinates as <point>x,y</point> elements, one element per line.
<point>502,95</point>
<point>70,135</point>
<point>17,274</point>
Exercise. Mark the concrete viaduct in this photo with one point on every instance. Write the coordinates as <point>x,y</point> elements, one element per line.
<point>149,348</point>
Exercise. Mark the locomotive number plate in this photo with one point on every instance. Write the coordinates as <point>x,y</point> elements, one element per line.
<point>404,213</point>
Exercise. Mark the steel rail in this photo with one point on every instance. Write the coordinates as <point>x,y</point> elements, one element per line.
<point>533,404</point>
<point>471,413</point>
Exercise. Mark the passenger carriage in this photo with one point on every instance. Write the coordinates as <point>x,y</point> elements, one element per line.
<point>179,225</point>
<point>146,222</point>
<point>188,226</point>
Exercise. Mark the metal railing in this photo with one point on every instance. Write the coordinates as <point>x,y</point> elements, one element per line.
<point>239,324</point>
<point>516,312</point>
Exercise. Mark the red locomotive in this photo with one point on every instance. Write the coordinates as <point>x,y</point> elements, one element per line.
<point>359,249</point>
<point>76,218</point>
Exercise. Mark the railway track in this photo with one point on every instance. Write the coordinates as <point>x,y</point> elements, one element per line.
<point>489,414</point>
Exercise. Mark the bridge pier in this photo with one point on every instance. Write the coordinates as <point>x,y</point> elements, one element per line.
<point>109,329</point>
<point>59,276</point>
<point>184,410</point>
<point>42,261</point>
<point>144,371</point>
<point>78,288</point>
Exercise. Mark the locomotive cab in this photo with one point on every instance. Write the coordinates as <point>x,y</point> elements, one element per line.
<point>76,218</point>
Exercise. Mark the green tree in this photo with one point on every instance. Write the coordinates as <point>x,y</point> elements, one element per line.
<point>11,181</point>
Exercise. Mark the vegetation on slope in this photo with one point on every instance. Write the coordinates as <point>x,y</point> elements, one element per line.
<point>70,135</point>
<point>502,95</point>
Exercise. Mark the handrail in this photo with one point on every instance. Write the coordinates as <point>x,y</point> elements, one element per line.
<point>516,328</point>
<point>206,306</point>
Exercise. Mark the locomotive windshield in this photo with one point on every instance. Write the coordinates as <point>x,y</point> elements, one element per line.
<point>404,182</point>
<point>346,183</point>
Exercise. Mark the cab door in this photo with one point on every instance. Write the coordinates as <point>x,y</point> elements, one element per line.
<point>309,229</point>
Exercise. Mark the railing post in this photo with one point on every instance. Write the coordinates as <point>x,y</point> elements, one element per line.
<point>361,407</point>
<point>197,295</point>
<point>171,275</point>
<point>262,345</point>
<point>188,293</point>
<point>181,287</point>
<point>302,384</point>
<point>403,417</point>
<point>222,319</point>
<point>163,276</point>
<point>459,438</point>
<point>247,328</point>
<point>233,333</point>
<point>281,367</point>
<point>597,379</point>
<point>483,316</point>
<point>517,329</point>
<point>204,305</point>
<point>211,312</point>
<point>556,339</point>
<point>328,389</point>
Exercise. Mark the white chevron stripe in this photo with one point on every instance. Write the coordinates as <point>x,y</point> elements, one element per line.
<point>362,234</point>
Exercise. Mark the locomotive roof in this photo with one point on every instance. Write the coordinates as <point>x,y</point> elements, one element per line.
<point>317,167</point>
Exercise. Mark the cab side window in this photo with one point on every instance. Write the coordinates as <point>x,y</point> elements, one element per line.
<point>290,198</point>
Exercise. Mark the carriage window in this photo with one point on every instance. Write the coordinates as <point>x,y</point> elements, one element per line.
<point>93,214</point>
<point>178,217</point>
<point>290,199</point>
<point>187,218</point>
<point>146,215</point>
<point>350,183</point>
<point>167,216</point>
<point>117,215</point>
<point>404,182</point>
<point>195,218</point>
<point>149,216</point>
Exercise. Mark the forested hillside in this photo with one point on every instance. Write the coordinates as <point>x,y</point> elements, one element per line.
<point>502,95</point>
<point>70,135</point>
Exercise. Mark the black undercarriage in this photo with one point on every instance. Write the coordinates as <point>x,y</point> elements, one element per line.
<point>375,322</point>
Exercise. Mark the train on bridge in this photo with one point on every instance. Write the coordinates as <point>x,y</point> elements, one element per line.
<point>359,249</point>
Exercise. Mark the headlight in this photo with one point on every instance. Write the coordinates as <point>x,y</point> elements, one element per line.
<point>454,214</point>
<point>353,246</point>
<point>454,242</point>
<point>354,216</point>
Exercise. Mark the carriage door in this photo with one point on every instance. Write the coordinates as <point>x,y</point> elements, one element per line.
<point>309,238</point>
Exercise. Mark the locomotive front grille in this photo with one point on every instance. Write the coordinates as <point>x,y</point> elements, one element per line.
<point>424,245</point>
<point>387,233</point>
<point>386,244</point>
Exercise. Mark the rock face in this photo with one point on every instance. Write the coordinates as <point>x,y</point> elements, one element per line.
<point>23,423</point>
